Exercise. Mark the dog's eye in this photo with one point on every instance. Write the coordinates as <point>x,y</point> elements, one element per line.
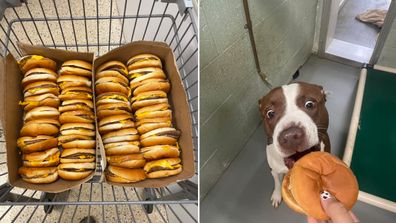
<point>309,104</point>
<point>270,114</point>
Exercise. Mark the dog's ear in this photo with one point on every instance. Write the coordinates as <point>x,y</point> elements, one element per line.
<point>323,92</point>
<point>326,94</point>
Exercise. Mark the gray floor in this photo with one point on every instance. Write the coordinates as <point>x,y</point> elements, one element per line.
<point>243,193</point>
<point>351,30</point>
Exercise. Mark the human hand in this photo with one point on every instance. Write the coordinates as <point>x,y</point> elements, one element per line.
<point>335,210</point>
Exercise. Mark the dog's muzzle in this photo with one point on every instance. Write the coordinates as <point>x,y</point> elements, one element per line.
<point>292,139</point>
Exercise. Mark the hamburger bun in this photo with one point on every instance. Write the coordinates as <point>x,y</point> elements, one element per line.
<point>128,134</point>
<point>161,136</point>
<point>127,161</point>
<point>29,144</point>
<point>142,74</point>
<point>113,73</point>
<point>40,87</point>
<point>76,141</point>
<point>75,171</point>
<point>43,112</point>
<point>49,127</point>
<point>144,60</point>
<point>113,65</point>
<point>76,67</point>
<point>39,74</point>
<point>163,168</point>
<point>81,116</point>
<point>115,122</point>
<point>35,61</point>
<point>105,110</point>
<point>154,111</point>
<point>152,85</point>
<point>146,125</point>
<point>124,175</point>
<point>77,156</point>
<point>112,97</point>
<point>38,175</point>
<point>66,81</point>
<point>154,114</point>
<point>314,173</point>
<point>44,158</point>
<point>160,151</point>
<point>148,98</point>
<point>70,93</point>
<point>111,84</point>
<point>85,129</point>
<point>122,148</point>
<point>76,104</point>
<point>48,99</point>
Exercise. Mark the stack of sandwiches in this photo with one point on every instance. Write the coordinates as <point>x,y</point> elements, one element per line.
<point>153,116</point>
<point>134,120</point>
<point>37,141</point>
<point>77,133</point>
<point>116,125</point>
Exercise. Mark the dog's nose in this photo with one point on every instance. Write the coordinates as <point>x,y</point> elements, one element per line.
<point>291,138</point>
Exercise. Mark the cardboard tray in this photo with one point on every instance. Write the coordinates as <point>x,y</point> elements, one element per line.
<point>13,114</point>
<point>177,99</point>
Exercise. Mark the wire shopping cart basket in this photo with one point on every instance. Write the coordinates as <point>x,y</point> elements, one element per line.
<point>99,26</point>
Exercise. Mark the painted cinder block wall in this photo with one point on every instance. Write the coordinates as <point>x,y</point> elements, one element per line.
<point>388,53</point>
<point>229,84</point>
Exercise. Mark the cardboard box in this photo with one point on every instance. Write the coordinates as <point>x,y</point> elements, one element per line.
<point>178,101</point>
<point>13,114</point>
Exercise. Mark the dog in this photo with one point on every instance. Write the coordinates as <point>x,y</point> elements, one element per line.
<point>295,120</point>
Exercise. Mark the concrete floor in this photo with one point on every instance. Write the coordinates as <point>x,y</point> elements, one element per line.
<point>243,193</point>
<point>351,30</point>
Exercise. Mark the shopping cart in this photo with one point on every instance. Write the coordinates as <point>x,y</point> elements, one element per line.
<point>99,26</point>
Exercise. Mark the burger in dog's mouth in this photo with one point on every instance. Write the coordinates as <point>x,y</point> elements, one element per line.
<point>290,160</point>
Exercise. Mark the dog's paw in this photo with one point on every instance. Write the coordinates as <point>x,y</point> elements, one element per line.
<point>276,198</point>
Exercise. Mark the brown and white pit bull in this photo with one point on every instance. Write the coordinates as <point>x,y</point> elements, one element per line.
<point>295,121</point>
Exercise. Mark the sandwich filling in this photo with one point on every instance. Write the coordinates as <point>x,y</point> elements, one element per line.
<point>79,156</point>
<point>141,59</point>
<point>76,66</point>
<point>160,165</point>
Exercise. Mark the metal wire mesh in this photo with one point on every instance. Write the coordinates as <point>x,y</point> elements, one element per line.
<point>99,26</point>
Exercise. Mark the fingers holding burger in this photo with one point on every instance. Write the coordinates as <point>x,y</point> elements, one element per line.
<point>314,173</point>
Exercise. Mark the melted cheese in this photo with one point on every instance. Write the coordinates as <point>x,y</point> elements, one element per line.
<point>115,97</point>
<point>34,90</point>
<point>166,148</point>
<point>135,75</point>
<point>37,57</point>
<point>34,57</point>
<point>162,163</point>
<point>142,97</point>
<point>62,84</point>
<point>76,93</point>
<point>28,103</point>
<point>141,115</point>
<point>123,121</point>
<point>35,162</point>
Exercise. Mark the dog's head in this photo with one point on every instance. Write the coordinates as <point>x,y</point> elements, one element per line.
<point>295,117</point>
